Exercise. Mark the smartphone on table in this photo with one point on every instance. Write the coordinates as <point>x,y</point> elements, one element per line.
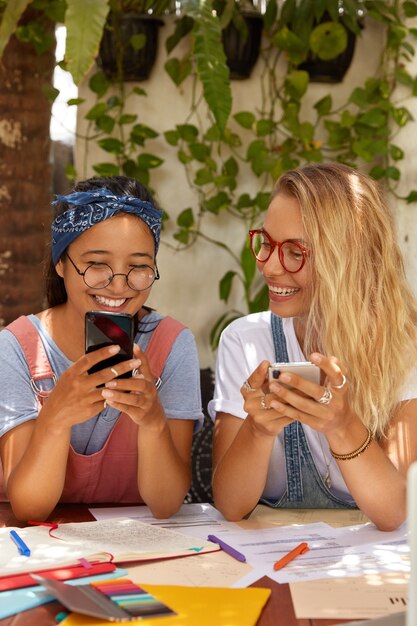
<point>103,328</point>
<point>306,369</point>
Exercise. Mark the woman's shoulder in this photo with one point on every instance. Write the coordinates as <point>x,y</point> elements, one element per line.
<point>253,322</point>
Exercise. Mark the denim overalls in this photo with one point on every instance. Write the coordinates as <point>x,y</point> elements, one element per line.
<point>305,486</point>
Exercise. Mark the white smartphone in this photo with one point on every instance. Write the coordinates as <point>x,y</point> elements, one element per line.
<point>306,369</point>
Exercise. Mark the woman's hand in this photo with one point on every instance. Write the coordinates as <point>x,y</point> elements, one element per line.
<point>77,394</point>
<point>137,396</point>
<point>324,408</point>
<point>262,415</point>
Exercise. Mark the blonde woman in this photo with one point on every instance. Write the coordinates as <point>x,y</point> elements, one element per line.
<point>339,298</point>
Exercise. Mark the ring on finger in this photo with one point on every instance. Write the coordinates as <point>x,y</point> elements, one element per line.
<point>342,384</point>
<point>264,404</point>
<point>326,397</point>
<point>114,371</point>
<point>246,386</point>
<point>105,405</point>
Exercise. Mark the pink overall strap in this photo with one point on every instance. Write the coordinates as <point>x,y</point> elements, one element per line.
<point>161,343</point>
<point>33,348</point>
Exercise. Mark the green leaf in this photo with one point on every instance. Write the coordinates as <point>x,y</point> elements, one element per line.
<point>393,173</point>
<point>12,13</point>
<point>412,197</point>
<point>172,137</point>
<point>230,167</point>
<point>203,177</point>
<point>75,101</point>
<point>182,27</point>
<point>178,70</point>
<point>264,127</point>
<point>401,116</point>
<point>99,84</point>
<point>295,47</point>
<point>220,201</point>
<point>182,236</point>
<point>106,169</point>
<point>220,325</point>
<point>248,262</point>
<point>210,59</point>
<point>261,301</point>
<point>110,144</point>
<point>140,133</point>
<point>138,41</point>
<point>270,14</point>
<point>244,201</point>
<point>105,123</point>
<point>396,153</point>
<point>262,200</point>
<point>410,9</point>
<point>328,40</point>
<point>324,106</point>
<point>139,91</point>
<point>187,132</point>
<point>374,118</point>
<point>50,93</point>
<point>199,151</point>
<point>127,118</point>
<point>246,119</point>
<point>186,218</point>
<point>296,83</point>
<point>96,111</point>
<point>225,285</point>
<point>377,172</point>
<point>84,20</point>
<point>148,161</point>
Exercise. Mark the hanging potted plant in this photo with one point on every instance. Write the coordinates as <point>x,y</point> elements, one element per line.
<point>130,38</point>
<point>241,36</point>
<point>320,40</point>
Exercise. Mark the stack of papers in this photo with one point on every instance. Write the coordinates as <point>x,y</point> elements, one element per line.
<point>120,540</point>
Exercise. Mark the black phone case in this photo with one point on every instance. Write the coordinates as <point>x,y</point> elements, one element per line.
<point>103,329</point>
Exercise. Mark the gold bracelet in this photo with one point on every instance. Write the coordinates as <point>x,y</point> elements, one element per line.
<point>355,453</point>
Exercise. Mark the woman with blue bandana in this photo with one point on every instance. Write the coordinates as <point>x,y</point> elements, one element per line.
<point>70,436</point>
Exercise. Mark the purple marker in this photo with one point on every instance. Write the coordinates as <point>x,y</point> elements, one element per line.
<point>228,549</point>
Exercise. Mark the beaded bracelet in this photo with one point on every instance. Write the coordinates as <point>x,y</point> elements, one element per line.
<point>355,453</point>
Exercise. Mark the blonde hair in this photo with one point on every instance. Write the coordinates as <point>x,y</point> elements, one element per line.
<point>362,309</point>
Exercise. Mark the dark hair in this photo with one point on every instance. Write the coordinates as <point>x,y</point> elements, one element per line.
<point>120,186</point>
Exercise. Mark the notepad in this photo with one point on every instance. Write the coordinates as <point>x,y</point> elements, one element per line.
<point>203,606</point>
<point>118,541</point>
<point>119,600</point>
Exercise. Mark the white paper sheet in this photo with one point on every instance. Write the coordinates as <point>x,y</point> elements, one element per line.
<point>351,598</point>
<point>196,520</point>
<point>334,552</point>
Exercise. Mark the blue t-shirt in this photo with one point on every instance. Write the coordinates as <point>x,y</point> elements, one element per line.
<point>179,392</point>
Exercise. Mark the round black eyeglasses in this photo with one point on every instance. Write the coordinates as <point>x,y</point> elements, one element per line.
<point>100,275</point>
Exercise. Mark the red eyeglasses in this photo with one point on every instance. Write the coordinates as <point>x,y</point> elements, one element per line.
<point>292,255</point>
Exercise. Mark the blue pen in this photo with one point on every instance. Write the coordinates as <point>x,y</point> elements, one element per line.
<point>228,549</point>
<point>21,546</point>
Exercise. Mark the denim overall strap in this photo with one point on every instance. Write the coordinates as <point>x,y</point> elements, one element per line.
<point>291,435</point>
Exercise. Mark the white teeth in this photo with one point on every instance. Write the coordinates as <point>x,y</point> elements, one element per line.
<point>283,291</point>
<point>108,302</point>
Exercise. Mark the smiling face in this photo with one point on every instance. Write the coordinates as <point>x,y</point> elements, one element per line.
<point>122,242</point>
<point>289,294</point>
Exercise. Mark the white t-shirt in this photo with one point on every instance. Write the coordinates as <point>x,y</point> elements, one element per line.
<point>243,345</point>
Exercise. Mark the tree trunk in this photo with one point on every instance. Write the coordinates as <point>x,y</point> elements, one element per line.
<point>25,178</point>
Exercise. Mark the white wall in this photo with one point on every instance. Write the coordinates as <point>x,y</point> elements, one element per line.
<point>188,288</point>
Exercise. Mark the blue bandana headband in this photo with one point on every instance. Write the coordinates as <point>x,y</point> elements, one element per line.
<point>91,207</point>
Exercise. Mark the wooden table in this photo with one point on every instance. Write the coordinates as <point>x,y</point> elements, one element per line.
<point>277,612</point>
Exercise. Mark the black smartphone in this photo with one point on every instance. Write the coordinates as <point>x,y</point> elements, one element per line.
<point>102,329</point>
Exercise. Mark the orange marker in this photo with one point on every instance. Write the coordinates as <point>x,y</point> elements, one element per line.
<point>300,549</point>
